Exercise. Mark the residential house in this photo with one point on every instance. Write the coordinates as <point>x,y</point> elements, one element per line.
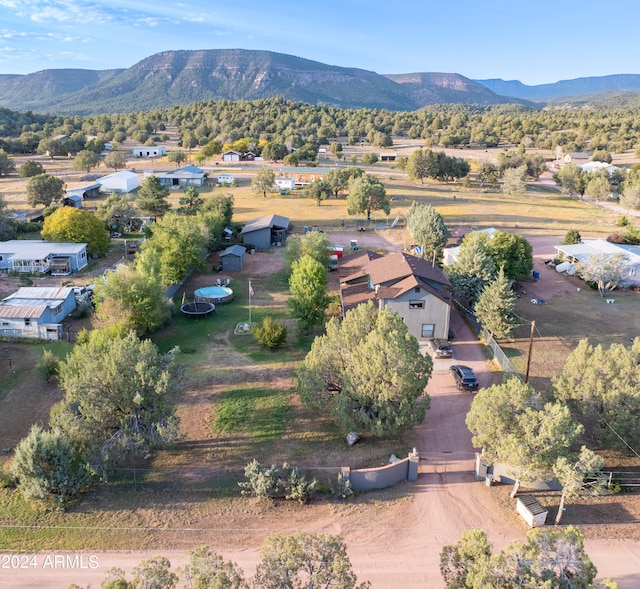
<point>302,176</point>
<point>590,167</point>
<point>122,181</point>
<point>576,157</point>
<point>187,176</point>
<point>581,252</point>
<point>266,231</point>
<point>149,151</point>
<point>60,259</point>
<point>412,287</point>
<point>35,312</point>
<point>233,258</point>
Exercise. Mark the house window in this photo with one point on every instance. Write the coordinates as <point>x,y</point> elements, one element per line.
<point>428,329</point>
<point>416,289</point>
<point>416,304</point>
<point>27,321</point>
<point>83,255</point>
<point>57,310</point>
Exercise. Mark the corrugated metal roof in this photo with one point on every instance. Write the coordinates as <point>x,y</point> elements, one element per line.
<point>38,250</point>
<point>264,222</point>
<point>41,293</point>
<point>21,311</point>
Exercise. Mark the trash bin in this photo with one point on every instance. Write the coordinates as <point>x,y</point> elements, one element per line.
<point>488,480</point>
<point>536,274</point>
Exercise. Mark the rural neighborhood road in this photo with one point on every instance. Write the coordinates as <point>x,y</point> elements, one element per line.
<point>404,551</point>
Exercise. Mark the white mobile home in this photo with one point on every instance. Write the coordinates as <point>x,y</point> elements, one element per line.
<point>149,151</point>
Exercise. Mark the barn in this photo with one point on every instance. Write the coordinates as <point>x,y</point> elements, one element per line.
<point>266,231</point>
<point>122,181</point>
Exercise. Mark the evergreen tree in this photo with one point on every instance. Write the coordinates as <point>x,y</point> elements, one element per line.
<point>308,284</point>
<point>428,229</point>
<point>495,307</point>
<point>152,197</point>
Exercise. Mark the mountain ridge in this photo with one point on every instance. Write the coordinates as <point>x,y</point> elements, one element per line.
<point>171,78</point>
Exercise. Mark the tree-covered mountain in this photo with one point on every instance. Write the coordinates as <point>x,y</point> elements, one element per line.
<point>440,88</point>
<point>568,89</point>
<point>181,77</point>
<point>40,90</point>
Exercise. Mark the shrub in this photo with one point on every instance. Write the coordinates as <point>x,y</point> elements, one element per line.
<point>622,221</point>
<point>263,482</point>
<point>343,487</point>
<point>297,487</point>
<point>271,332</point>
<point>49,366</point>
<point>273,483</point>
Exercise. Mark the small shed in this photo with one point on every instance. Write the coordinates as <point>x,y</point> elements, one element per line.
<point>233,258</point>
<point>72,200</point>
<point>531,511</point>
<point>285,183</point>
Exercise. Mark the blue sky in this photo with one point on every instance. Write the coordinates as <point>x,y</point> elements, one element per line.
<point>535,41</point>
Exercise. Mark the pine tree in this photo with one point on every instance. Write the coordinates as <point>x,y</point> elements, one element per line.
<point>495,306</point>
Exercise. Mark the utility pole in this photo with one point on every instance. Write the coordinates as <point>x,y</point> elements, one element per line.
<point>533,328</point>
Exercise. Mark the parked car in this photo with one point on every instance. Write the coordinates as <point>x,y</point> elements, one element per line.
<point>440,349</point>
<point>464,376</point>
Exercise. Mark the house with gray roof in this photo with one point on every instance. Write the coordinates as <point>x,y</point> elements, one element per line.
<point>187,176</point>
<point>265,232</point>
<point>31,255</point>
<point>412,287</point>
<point>35,312</point>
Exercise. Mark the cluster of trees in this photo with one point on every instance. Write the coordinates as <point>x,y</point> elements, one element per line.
<point>116,409</point>
<point>548,558</point>
<point>482,273</point>
<point>314,561</point>
<point>435,165</point>
<point>367,373</point>
<point>252,125</point>
<point>597,184</point>
<point>595,397</point>
<point>77,226</point>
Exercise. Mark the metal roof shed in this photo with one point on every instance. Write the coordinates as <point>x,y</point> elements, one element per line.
<point>531,511</point>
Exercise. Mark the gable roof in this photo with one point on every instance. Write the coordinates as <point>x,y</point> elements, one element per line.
<point>391,276</point>
<point>234,250</point>
<point>264,222</point>
<point>396,266</point>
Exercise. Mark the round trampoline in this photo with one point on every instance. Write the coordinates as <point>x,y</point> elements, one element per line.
<point>198,308</point>
<point>214,294</point>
